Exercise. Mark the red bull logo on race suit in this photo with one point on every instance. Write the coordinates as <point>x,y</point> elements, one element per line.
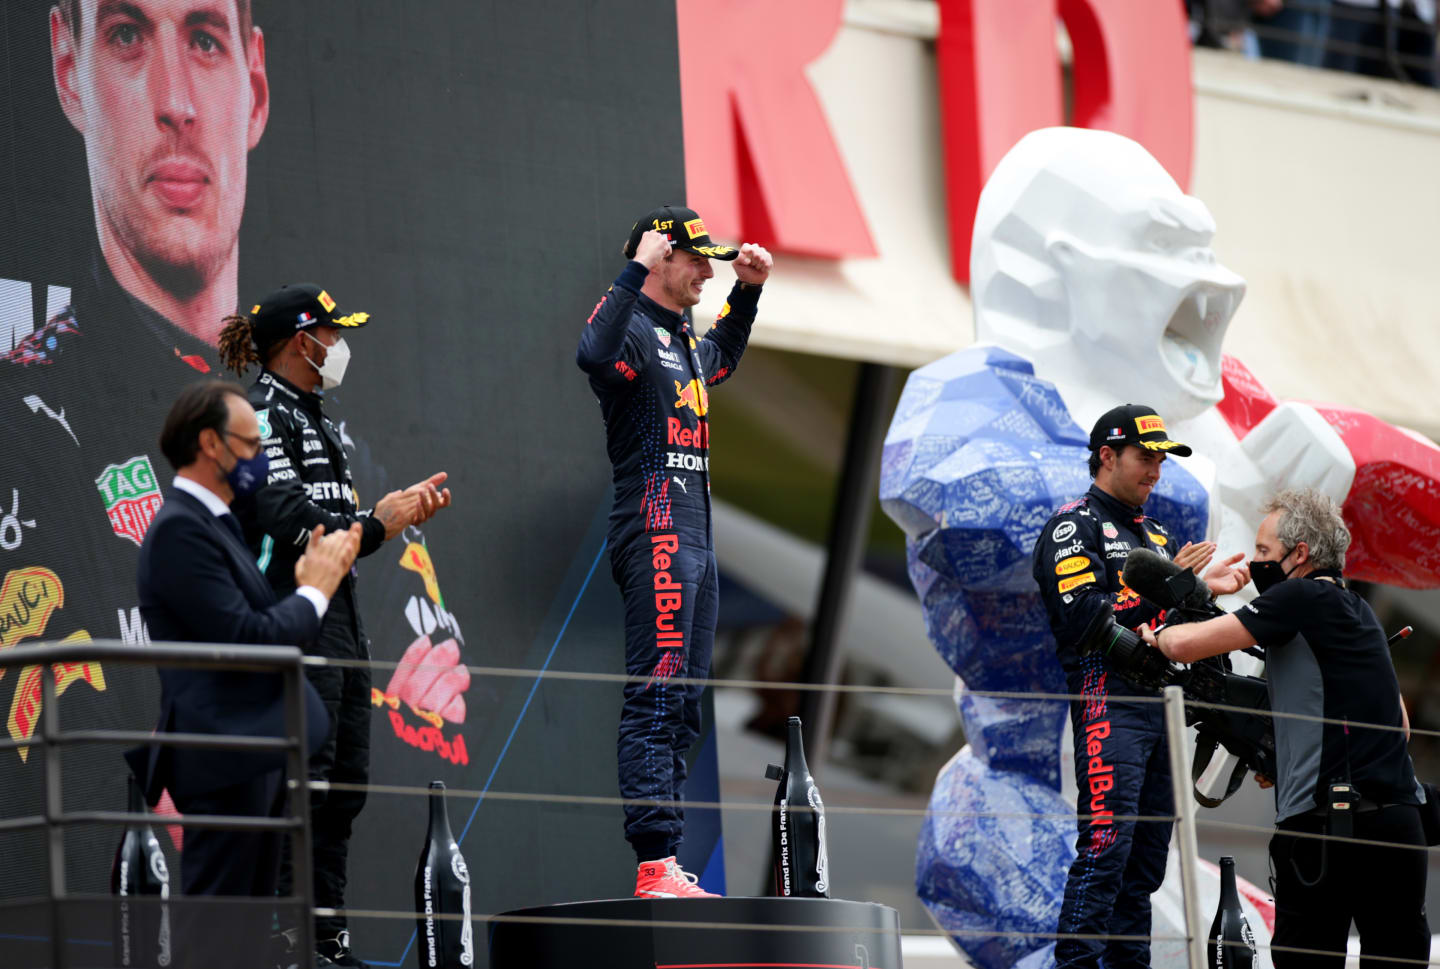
<point>692,395</point>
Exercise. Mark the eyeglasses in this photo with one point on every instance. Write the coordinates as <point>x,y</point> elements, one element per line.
<point>252,444</point>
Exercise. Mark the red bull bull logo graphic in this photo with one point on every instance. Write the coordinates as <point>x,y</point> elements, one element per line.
<point>1126,598</point>
<point>692,395</point>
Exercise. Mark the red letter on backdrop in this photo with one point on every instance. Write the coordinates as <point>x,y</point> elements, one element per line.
<point>1000,78</point>
<point>760,162</point>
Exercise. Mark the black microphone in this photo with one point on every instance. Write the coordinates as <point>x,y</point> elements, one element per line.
<point>1161,582</point>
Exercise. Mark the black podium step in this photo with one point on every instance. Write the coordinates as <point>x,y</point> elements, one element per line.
<point>698,933</point>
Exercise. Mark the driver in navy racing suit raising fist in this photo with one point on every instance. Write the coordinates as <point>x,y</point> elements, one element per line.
<point>652,376</point>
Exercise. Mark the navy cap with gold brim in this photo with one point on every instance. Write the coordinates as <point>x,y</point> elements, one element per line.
<point>295,307</point>
<point>685,230</point>
<point>1137,425</point>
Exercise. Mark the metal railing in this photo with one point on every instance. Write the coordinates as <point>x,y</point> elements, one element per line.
<point>290,663</point>
<point>1385,57</point>
<point>285,660</point>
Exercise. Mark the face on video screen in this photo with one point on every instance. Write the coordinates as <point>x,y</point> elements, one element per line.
<point>169,97</point>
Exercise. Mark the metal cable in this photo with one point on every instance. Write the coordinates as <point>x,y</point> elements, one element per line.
<point>752,926</point>
<point>582,676</point>
<point>589,800</point>
<point>513,919</point>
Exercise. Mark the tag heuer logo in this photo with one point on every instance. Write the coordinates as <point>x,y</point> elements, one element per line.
<point>663,335</point>
<point>1110,530</point>
<point>131,497</point>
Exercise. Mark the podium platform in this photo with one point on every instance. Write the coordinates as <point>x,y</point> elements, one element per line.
<point>698,933</point>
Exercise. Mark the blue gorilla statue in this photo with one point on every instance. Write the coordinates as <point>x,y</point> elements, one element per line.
<point>979,455</point>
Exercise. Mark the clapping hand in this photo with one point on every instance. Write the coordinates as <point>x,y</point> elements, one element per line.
<point>396,510</point>
<point>1195,555</point>
<point>327,558</point>
<point>430,497</point>
<point>1227,578</point>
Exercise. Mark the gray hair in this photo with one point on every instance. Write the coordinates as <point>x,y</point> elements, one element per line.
<point>1309,516</point>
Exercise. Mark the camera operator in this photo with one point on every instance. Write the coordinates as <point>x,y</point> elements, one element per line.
<point>1327,656</point>
<point>1122,765</point>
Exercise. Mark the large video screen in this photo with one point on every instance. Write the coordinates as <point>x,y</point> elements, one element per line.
<point>465,171</point>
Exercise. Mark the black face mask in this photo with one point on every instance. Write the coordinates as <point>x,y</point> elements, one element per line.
<point>1267,575</point>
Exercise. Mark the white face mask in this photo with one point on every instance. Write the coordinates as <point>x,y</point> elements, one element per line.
<point>337,358</point>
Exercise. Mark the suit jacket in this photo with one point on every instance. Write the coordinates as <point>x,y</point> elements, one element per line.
<point>199,583</point>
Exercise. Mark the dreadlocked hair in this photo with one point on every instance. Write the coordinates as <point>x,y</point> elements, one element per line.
<point>237,344</point>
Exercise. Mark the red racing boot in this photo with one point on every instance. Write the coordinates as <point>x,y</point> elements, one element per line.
<point>666,879</point>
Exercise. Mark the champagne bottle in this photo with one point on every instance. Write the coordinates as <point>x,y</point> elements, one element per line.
<point>802,863</point>
<point>442,887</point>
<point>1231,944</point>
<point>142,932</point>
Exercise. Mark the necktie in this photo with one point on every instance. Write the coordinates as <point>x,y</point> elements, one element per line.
<point>233,523</point>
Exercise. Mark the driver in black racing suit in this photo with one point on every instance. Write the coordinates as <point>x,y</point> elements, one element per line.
<point>295,333</point>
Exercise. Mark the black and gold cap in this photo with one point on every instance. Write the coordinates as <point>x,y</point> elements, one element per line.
<point>1138,425</point>
<point>685,230</point>
<point>295,307</point>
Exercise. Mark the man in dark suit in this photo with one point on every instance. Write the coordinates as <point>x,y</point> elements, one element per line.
<point>198,582</point>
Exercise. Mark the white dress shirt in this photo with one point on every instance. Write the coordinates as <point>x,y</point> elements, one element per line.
<point>217,507</point>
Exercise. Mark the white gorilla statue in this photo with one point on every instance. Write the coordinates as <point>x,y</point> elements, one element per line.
<point>1090,262</point>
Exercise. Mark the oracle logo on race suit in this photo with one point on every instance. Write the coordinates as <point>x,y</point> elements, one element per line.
<point>762,163</point>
